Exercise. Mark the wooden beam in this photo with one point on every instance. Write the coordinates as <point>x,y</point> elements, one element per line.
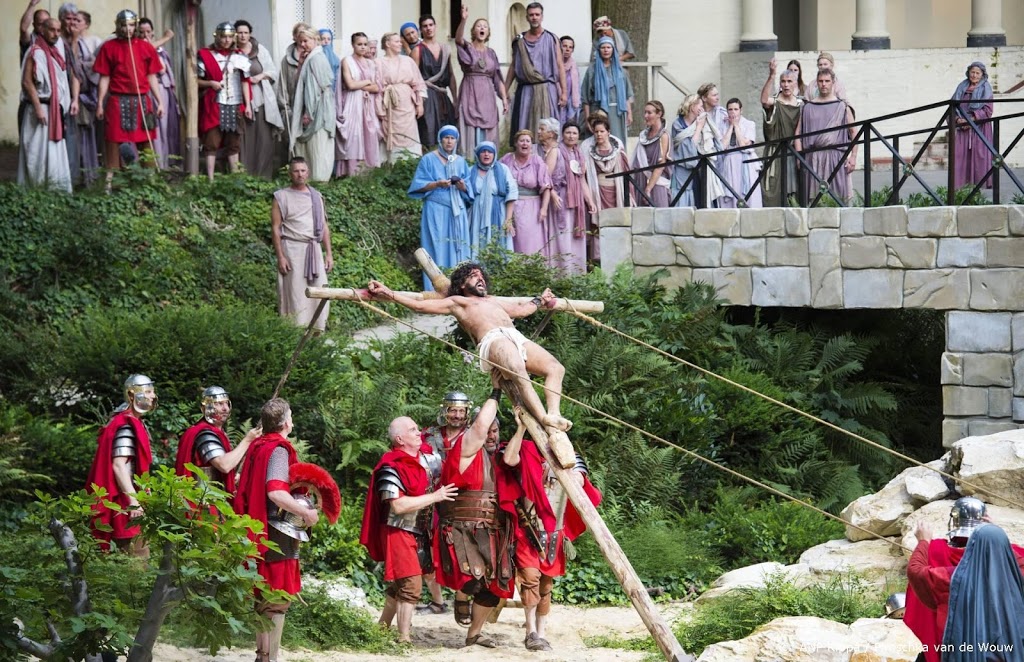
<point>620,565</point>
<point>436,276</point>
<point>352,294</point>
<point>191,90</point>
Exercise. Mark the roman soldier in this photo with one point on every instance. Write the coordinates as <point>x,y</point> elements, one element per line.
<point>206,443</point>
<point>225,97</point>
<point>122,453</point>
<point>452,417</point>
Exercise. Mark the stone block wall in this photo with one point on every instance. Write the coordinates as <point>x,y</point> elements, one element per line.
<point>965,260</point>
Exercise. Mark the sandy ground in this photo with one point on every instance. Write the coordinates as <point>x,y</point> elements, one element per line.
<point>438,638</point>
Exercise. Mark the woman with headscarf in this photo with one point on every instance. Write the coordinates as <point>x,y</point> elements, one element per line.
<point>441,182</point>
<point>481,81</point>
<point>258,138</point>
<point>693,134</point>
<point>606,86</point>
<point>604,157</point>
<point>358,132</point>
<point>972,160</point>
<point>313,114</point>
<point>401,100</point>
<point>327,44</point>
<point>653,148</point>
<point>410,34</point>
<point>531,209</point>
<point>494,194</point>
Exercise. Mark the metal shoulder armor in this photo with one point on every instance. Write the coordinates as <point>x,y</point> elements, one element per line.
<point>387,483</point>
<point>581,465</point>
<point>208,446</point>
<point>431,462</point>
<point>124,442</point>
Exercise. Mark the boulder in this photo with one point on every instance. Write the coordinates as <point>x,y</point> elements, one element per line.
<point>936,516</point>
<point>754,576</point>
<point>995,464</point>
<point>876,561</point>
<point>809,639</point>
<point>883,512</point>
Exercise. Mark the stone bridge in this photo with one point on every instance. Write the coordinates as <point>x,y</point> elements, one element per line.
<point>968,261</point>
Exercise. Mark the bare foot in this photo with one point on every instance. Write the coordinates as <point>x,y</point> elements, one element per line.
<point>557,422</point>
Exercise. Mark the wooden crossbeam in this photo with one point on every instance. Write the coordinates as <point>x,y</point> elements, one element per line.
<point>353,294</point>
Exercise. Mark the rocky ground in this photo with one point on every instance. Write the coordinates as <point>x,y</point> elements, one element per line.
<point>437,638</point>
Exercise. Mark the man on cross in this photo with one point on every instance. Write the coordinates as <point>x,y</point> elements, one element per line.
<point>501,346</point>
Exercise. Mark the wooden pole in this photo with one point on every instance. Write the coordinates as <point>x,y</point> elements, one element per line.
<point>434,273</point>
<point>620,565</point>
<point>191,90</point>
<point>352,294</point>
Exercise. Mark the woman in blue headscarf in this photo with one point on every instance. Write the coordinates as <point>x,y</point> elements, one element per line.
<point>410,34</point>
<point>441,182</point>
<point>327,43</point>
<point>494,195</point>
<point>972,158</point>
<point>986,602</point>
<point>606,86</point>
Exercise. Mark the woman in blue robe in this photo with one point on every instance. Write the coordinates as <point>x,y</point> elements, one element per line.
<point>441,182</point>
<point>495,192</point>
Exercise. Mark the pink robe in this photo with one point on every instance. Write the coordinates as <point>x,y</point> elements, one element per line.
<point>357,144</point>
<point>533,179</point>
<point>401,86</point>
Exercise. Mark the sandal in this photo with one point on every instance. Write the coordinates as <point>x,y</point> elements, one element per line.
<point>483,640</point>
<point>535,643</point>
<point>433,608</point>
<point>463,612</point>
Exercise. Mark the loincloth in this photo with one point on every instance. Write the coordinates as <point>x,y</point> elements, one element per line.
<point>509,332</point>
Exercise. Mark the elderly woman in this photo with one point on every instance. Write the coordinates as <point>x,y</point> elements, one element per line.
<point>606,87</point>
<point>481,81</point>
<point>574,201</point>
<point>652,149</point>
<point>359,134</point>
<point>531,209</point>
<point>258,137</point>
<point>401,100</point>
<point>494,195</point>
<point>736,167</point>
<point>313,114</point>
<point>973,160</point>
<point>441,181</point>
<point>605,156</point>
<point>693,134</point>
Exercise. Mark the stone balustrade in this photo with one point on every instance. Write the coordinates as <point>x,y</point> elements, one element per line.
<point>965,260</point>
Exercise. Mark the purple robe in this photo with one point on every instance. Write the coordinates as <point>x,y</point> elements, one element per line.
<point>563,250</point>
<point>168,132</point>
<point>570,112</point>
<point>651,148</point>
<point>478,106</point>
<point>973,160</point>
<point>532,178</point>
<point>358,135</point>
<point>546,58</point>
<point>817,117</point>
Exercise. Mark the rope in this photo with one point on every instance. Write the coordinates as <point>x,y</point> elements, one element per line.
<point>768,398</point>
<point>650,435</point>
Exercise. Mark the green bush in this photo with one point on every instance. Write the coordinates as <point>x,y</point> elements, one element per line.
<point>737,614</point>
<point>319,622</point>
<point>37,453</point>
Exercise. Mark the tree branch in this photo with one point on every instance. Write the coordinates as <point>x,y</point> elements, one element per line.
<point>42,651</point>
<point>163,598</point>
<point>79,592</point>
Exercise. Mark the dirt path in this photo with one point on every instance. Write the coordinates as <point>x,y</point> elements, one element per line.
<point>437,638</point>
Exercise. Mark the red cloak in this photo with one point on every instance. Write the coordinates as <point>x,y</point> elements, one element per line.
<point>472,479</point>
<point>186,452</point>
<point>209,112</point>
<point>251,497</point>
<point>395,548</point>
<point>931,569</point>
<point>101,474</point>
<point>531,471</point>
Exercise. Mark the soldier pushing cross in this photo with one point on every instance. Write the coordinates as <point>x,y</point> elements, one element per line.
<point>488,320</point>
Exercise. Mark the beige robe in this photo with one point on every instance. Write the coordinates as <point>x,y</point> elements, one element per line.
<point>296,233</point>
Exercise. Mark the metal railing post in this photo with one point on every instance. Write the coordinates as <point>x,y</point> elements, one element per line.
<point>867,164</point>
<point>995,161</point>
<point>951,154</point>
<point>895,170</point>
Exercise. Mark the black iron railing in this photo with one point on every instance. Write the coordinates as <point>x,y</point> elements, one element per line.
<point>866,134</point>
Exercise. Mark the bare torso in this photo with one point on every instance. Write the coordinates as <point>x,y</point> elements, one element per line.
<point>478,315</point>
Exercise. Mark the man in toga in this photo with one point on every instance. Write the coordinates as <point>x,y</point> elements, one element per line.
<point>781,114</point>
<point>825,150</point>
<point>298,221</point>
<point>539,74</point>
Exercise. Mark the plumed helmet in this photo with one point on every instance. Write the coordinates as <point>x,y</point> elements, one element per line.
<point>139,393</point>
<point>225,29</point>
<point>452,399</point>
<point>212,395</point>
<point>313,487</point>
<point>966,515</point>
<point>895,606</point>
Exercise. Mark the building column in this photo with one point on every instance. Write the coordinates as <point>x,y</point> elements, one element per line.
<point>986,24</point>
<point>871,33</point>
<point>758,30</point>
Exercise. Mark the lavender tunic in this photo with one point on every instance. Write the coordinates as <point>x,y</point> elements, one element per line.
<point>817,117</point>
<point>357,142</point>
<point>973,160</point>
<point>168,132</point>
<point>546,58</point>
<point>564,251</point>
<point>532,179</point>
<point>478,107</point>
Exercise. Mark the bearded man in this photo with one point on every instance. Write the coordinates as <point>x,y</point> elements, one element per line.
<point>206,443</point>
<point>398,520</point>
<point>122,453</point>
<point>503,349</point>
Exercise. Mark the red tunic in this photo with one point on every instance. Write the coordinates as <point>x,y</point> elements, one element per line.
<point>472,479</point>
<point>395,548</point>
<point>209,110</point>
<point>929,572</point>
<point>251,500</point>
<point>531,471</point>
<point>114,59</point>
<point>101,474</point>
<point>186,452</point>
